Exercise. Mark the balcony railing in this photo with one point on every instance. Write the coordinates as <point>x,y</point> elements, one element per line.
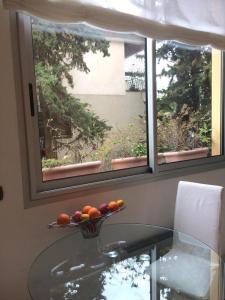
<point>135,85</point>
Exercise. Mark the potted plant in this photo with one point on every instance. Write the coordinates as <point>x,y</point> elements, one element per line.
<point>185,136</point>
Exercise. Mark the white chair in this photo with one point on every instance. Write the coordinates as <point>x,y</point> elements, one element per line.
<point>188,266</point>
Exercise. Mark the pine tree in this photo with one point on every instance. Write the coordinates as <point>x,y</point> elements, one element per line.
<point>189,73</point>
<point>56,53</point>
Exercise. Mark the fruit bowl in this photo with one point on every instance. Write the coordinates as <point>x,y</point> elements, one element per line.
<point>89,228</point>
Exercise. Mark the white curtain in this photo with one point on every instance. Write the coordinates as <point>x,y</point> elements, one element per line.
<point>199,22</point>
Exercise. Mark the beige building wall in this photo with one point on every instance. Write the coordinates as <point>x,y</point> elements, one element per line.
<point>104,88</point>
<point>117,110</point>
<point>106,76</point>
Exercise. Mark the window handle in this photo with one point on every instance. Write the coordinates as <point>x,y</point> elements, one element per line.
<point>31,95</point>
<point>1,193</point>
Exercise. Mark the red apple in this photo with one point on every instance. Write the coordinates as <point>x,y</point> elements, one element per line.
<point>103,208</point>
<point>77,216</point>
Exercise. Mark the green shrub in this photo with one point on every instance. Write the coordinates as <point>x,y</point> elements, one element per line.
<point>183,131</point>
<point>121,143</point>
<point>139,149</point>
<point>52,162</point>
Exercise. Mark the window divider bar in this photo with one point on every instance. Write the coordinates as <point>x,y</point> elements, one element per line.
<point>151,99</point>
<point>222,108</point>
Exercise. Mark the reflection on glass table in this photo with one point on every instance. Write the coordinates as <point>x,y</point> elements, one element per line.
<point>127,261</point>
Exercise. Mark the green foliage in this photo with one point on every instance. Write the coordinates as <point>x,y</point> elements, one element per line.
<point>51,162</point>
<point>184,107</point>
<point>118,145</point>
<point>55,55</point>
<point>139,149</point>
<point>189,73</point>
<point>124,142</point>
<point>187,130</point>
<point>205,134</point>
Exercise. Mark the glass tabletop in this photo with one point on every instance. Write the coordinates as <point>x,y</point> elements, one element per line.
<point>127,261</point>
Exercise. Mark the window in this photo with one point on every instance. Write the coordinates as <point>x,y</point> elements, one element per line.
<point>101,105</point>
<point>188,102</point>
<point>90,88</point>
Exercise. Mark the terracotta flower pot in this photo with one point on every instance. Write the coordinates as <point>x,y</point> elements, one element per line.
<point>170,157</point>
<point>166,157</point>
<point>128,162</point>
<point>161,158</point>
<point>71,170</point>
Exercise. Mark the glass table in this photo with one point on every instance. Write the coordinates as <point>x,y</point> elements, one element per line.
<point>127,262</point>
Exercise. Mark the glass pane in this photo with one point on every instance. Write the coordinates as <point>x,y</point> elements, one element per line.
<point>188,101</point>
<point>90,87</point>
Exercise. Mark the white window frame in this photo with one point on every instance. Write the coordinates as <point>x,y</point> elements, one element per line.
<point>40,189</point>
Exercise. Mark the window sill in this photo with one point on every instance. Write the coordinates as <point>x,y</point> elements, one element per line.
<point>192,167</point>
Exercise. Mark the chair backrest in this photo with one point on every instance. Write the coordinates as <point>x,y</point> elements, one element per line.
<point>200,213</point>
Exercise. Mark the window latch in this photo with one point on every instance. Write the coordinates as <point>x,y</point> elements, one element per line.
<point>1,193</point>
<point>31,95</point>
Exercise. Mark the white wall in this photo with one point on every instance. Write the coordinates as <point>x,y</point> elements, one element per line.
<point>23,232</point>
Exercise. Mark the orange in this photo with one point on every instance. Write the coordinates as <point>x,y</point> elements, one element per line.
<point>94,213</point>
<point>63,219</point>
<point>86,208</point>
<point>113,205</point>
<point>120,202</point>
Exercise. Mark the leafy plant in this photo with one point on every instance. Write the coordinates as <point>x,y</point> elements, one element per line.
<point>52,162</point>
<point>139,149</point>
<point>121,143</point>
<point>183,131</point>
<point>205,134</point>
